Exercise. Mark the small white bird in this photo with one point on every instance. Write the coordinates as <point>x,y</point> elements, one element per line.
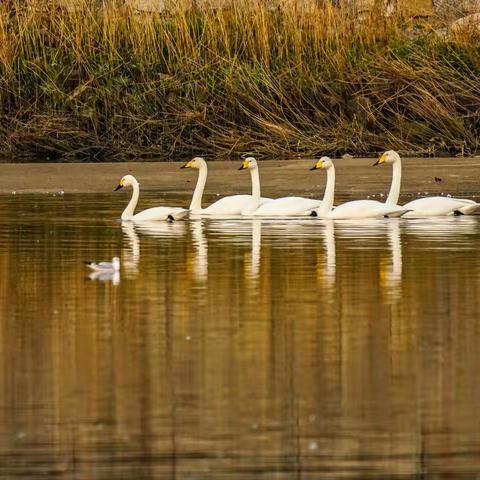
<point>105,267</point>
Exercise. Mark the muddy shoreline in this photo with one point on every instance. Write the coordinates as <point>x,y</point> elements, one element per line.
<point>356,178</point>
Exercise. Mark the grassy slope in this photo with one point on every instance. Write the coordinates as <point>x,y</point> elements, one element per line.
<point>279,82</point>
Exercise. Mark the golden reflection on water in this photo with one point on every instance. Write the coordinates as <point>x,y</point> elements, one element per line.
<point>237,348</point>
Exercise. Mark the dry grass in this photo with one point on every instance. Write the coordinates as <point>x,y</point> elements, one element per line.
<point>275,81</point>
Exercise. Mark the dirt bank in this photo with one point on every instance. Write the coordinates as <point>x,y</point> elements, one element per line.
<point>356,178</point>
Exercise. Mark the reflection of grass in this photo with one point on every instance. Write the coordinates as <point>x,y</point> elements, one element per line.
<point>275,81</point>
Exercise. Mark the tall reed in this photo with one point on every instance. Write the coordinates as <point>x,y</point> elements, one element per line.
<point>297,78</point>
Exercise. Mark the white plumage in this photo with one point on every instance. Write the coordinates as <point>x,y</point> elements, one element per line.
<point>155,213</point>
<point>231,205</point>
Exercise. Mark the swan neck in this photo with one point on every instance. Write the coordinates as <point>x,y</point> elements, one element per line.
<point>196,203</point>
<point>394,193</point>
<point>255,187</point>
<point>328,196</point>
<point>128,212</point>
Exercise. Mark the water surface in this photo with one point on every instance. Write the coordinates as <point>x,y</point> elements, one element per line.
<point>299,349</point>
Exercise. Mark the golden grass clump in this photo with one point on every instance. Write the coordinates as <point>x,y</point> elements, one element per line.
<point>95,79</point>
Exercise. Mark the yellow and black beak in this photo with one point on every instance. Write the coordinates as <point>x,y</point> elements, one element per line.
<point>244,165</point>
<point>119,186</point>
<point>188,164</point>
<point>318,165</point>
<point>380,160</point>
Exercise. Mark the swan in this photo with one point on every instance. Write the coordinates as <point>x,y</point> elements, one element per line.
<point>353,209</point>
<point>255,200</point>
<point>279,207</point>
<point>155,213</point>
<point>231,205</point>
<point>423,207</point>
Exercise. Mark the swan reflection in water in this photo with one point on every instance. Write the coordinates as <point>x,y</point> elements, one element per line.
<point>253,257</point>
<point>131,252</point>
<point>238,231</point>
<point>200,244</point>
<point>353,234</point>
<point>391,275</point>
<point>368,232</point>
<point>253,231</point>
<point>437,231</point>
<point>326,264</point>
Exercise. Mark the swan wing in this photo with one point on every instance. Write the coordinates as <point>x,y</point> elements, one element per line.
<point>470,206</point>
<point>231,205</point>
<point>180,213</point>
<point>437,206</point>
<point>288,206</point>
<point>161,213</point>
<point>366,209</point>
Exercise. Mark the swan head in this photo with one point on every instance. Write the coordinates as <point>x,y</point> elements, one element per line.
<point>126,181</point>
<point>324,162</point>
<point>196,162</point>
<point>390,156</point>
<point>249,163</point>
<point>116,263</point>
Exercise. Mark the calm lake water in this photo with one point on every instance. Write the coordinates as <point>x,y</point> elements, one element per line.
<point>240,349</point>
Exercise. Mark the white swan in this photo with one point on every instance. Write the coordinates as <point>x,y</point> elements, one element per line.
<point>423,207</point>
<point>353,209</point>
<point>231,205</point>
<point>279,207</point>
<point>155,213</point>
<point>255,200</point>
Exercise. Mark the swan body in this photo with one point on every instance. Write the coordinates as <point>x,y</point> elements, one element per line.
<point>287,206</point>
<point>440,206</point>
<point>428,206</point>
<point>365,209</point>
<point>280,207</point>
<point>155,213</point>
<point>354,209</point>
<point>231,205</point>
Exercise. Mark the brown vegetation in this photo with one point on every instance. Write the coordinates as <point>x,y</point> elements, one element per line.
<point>91,83</point>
